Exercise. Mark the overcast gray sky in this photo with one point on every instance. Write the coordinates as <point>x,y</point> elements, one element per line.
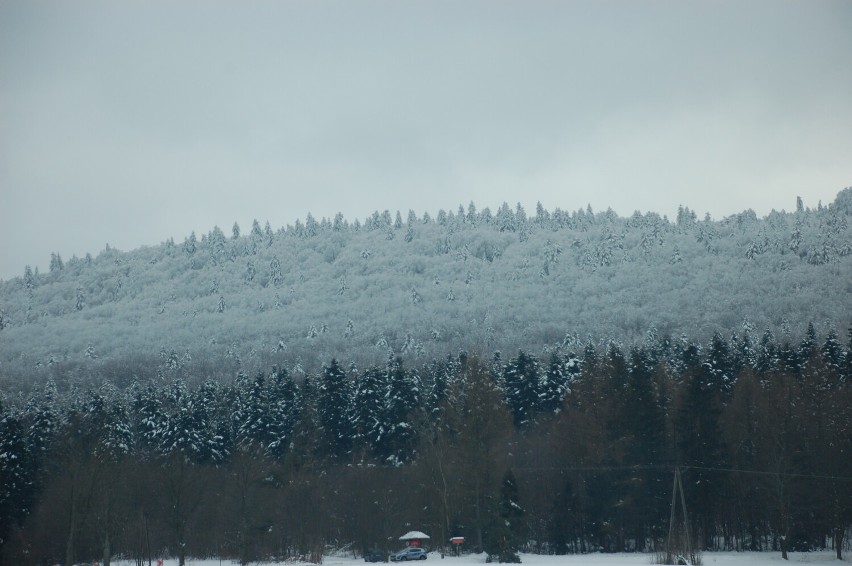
<point>131,122</point>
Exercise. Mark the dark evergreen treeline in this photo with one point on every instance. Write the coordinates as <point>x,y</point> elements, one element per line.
<point>570,452</point>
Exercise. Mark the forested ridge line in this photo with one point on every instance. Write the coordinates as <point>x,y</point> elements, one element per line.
<point>572,452</point>
<point>417,287</point>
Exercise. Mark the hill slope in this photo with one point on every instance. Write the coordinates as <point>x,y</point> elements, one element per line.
<point>425,287</point>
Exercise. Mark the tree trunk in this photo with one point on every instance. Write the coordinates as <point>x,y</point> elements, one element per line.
<point>479,541</point>
<point>107,550</point>
<point>107,520</point>
<point>69,543</point>
<point>69,548</point>
<point>838,542</point>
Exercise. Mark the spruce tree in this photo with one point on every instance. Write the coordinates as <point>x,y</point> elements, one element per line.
<point>697,435</point>
<point>254,430</point>
<point>148,421</point>
<point>368,413</point>
<point>16,474</point>
<point>44,418</point>
<point>521,383</point>
<point>832,352</point>
<point>334,398</point>
<point>283,412</point>
<point>396,442</point>
<point>719,367</point>
<point>554,384</point>
<point>643,422</point>
<point>507,530</point>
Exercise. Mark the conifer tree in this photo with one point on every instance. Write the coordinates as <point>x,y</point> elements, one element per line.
<point>188,432</point>
<point>643,422</point>
<point>148,421</point>
<point>767,356</point>
<point>555,382</point>
<point>697,434</point>
<point>832,352</point>
<point>284,412</point>
<point>507,530</point>
<point>44,418</point>
<point>306,438</point>
<point>808,347</point>
<point>397,442</point>
<point>565,531</point>
<point>521,383</point>
<point>190,244</point>
<point>437,373</point>
<point>334,409</point>
<point>719,367</point>
<point>16,474</point>
<point>369,403</point>
<point>254,430</point>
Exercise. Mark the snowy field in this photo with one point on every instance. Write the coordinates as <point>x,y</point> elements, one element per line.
<point>708,559</point>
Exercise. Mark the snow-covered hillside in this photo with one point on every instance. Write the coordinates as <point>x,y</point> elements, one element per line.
<point>425,287</point>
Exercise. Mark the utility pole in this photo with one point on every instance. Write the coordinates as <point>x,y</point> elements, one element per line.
<point>676,551</point>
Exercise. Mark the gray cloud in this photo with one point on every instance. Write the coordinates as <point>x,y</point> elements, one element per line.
<point>133,122</point>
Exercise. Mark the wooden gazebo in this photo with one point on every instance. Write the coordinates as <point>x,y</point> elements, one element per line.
<point>414,538</point>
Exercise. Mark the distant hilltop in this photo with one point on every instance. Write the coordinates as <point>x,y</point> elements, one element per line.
<point>422,288</point>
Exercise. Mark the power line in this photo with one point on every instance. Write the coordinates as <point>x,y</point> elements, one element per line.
<point>764,473</point>
<point>668,467</point>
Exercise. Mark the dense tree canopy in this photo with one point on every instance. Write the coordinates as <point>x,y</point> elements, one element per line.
<point>528,382</point>
<point>320,289</point>
<point>271,466</point>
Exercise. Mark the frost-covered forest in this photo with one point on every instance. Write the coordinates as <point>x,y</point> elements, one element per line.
<point>529,381</point>
<point>422,288</point>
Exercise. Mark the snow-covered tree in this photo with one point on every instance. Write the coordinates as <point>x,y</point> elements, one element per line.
<point>396,444</point>
<point>334,409</point>
<point>284,412</point>
<point>521,383</point>
<point>556,381</point>
<point>190,244</point>
<point>16,474</point>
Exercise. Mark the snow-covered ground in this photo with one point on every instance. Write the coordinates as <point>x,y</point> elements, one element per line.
<point>708,559</point>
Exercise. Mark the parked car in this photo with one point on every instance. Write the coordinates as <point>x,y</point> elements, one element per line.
<point>412,553</point>
<point>375,555</point>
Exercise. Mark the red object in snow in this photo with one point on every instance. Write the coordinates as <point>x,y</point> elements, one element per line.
<point>414,538</point>
<point>457,540</point>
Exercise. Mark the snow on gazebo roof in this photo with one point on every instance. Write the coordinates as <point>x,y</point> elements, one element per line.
<point>414,535</point>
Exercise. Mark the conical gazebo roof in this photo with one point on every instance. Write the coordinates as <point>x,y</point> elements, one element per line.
<point>414,535</point>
